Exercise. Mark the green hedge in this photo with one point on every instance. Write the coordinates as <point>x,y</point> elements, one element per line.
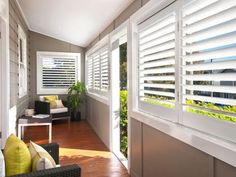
<point>230,109</point>
<point>123,122</point>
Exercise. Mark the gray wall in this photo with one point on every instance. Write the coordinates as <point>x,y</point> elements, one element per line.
<point>39,42</point>
<point>16,19</point>
<point>98,117</point>
<point>154,154</point>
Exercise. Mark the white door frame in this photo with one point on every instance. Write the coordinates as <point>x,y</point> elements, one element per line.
<point>4,81</point>
<point>115,41</point>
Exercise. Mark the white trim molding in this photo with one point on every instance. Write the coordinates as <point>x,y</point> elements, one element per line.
<point>5,71</point>
<point>40,55</point>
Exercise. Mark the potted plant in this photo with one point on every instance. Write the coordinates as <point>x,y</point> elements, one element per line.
<point>75,98</point>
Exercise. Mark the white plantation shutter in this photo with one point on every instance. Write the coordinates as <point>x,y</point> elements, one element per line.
<point>59,72</point>
<point>22,60</point>
<point>90,73</point>
<point>104,70</point>
<point>156,69</point>
<point>209,62</point>
<point>98,71</point>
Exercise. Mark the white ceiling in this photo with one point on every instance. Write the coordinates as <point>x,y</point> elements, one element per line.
<point>74,21</point>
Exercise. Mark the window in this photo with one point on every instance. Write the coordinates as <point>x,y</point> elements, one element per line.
<point>98,71</point>
<point>56,71</point>
<point>209,65</point>
<point>156,67</point>
<point>22,58</point>
<point>186,65</point>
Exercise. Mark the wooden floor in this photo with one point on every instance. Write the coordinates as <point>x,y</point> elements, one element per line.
<point>79,144</point>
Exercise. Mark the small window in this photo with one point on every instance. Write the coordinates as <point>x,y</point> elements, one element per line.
<point>57,71</point>
<point>209,66</point>
<point>22,55</point>
<point>98,71</point>
<point>156,64</point>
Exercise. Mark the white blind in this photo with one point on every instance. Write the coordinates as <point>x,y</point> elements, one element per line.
<point>90,73</point>
<point>209,58</point>
<point>104,69</point>
<point>98,70</point>
<point>58,72</point>
<point>157,60</point>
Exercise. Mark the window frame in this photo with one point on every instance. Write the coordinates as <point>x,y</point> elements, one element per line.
<point>98,94</point>
<point>22,61</point>
<point>161,111</point>
<point>213,126</point>
<point>216,146</point>
<point>40,54</point>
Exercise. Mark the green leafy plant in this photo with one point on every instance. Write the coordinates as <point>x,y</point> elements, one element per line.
<point>157,101</point>
<point>231,109</point>
<point>123,122</point>
<point>75,96</point>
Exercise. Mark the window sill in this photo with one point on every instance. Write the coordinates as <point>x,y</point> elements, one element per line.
<point>99,98</point>
<point>214,146</point>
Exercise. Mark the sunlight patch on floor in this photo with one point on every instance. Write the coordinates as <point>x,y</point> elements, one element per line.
<point>80,152</point>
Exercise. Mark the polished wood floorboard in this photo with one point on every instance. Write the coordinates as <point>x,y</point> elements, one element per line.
<point>79,144</point>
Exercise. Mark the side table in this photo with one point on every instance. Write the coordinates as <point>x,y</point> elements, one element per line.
<point>26,121</point>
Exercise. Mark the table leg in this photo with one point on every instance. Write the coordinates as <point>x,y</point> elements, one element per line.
<point>50,133</point>
<point>19,132</point>
<point>23,132</point>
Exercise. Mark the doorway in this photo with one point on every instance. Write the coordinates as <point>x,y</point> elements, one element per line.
<point>119,118</point>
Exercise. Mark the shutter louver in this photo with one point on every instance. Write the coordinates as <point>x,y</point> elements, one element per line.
<point>157,61</point>
<point>104,70</point>
<point>98,70</point>
<point>209,58</point>
<point>90,73</point>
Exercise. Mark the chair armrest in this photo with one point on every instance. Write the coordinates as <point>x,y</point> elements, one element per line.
<point>42,107</point>
<point>64,171</point>
<point>53,150</point>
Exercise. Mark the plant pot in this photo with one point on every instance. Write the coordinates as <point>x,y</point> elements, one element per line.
<point>76,116</point>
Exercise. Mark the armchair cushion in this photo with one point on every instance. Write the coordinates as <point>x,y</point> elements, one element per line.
<point>58,110</point>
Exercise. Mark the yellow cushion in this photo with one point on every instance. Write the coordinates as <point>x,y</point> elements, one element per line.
<point>53,104</point>
<point>59,104</point>
<point>41,159</point>
<point>17,156</point>
<point>52,100</point>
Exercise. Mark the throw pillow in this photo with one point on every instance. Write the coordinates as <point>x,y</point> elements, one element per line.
<point>53,104</point>
<point>59,104</point>
<point>52,100</point>
<point>41,159</point>
<point>17,156</point>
